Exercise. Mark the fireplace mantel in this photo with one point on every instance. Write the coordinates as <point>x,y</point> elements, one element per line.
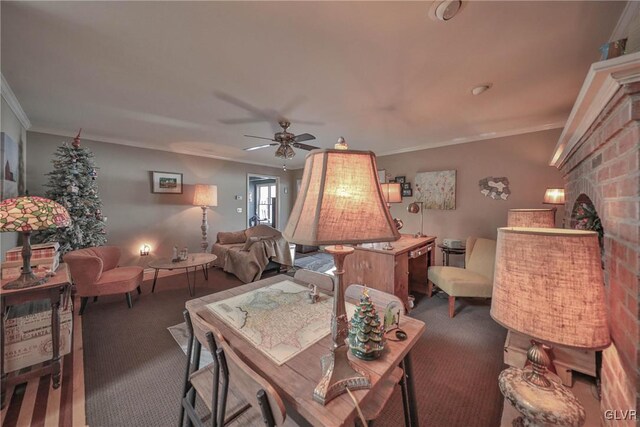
<point>603,80</point>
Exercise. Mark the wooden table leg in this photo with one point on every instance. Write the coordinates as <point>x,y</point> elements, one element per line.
<point>155,279</point>
<point>3,376</point>
<point>55,339</point>
<point>413,405</point>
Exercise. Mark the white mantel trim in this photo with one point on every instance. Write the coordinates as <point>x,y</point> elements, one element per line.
<point>14,104</point>
<point>603,80</point>
<point>630,12</point>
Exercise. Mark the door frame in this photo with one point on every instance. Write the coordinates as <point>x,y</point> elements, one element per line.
<point>278,197</point>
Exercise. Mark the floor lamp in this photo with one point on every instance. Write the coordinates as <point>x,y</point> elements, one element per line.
<point>205,196</point>
<point>340,202</point>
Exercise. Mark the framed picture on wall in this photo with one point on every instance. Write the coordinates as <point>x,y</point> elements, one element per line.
<point>10,161</point>
<point>406,186</point>
<point>407,192</point>
<point>401,179</point>
<point>166,182</point>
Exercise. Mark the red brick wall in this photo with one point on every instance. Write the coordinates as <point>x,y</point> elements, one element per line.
<point>605,167</point>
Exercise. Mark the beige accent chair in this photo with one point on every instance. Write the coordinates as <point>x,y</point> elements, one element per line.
<point>476,280</point>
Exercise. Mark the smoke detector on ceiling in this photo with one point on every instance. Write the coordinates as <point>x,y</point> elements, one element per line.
<point>444,10</point>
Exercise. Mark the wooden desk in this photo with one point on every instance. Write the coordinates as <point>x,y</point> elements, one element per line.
<point>394,271</point>
<point>296,379</point>
<point>53,290</point>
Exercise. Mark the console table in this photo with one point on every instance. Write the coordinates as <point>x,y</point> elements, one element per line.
<point>394,271</point>
<point>52,290</point>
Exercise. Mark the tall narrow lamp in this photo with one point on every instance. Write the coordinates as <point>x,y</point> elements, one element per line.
<point>205,196</point>
<point>392,193</point>
<point>27,214</point>
<point>532,218</point>
<point>549,285</point>
<point>340,201</point>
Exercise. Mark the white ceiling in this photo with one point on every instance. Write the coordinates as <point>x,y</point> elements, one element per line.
<point>183,76</point>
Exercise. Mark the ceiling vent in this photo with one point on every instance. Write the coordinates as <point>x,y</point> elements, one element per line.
<point>444,10</point>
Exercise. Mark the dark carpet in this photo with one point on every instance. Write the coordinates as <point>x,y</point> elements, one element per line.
<point>134,368</point>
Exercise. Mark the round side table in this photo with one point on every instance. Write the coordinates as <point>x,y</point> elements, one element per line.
<point>446,251</point>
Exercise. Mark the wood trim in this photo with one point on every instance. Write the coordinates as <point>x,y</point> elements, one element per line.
<point>603,80</point>
<point>13,103</point>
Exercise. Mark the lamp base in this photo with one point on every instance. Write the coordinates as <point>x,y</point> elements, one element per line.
<point>540,406</point>
<point>338,375</point>
<point>26,280</point>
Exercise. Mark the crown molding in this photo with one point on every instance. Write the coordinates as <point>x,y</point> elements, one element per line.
<point>629,13</point>
<point>14,104</point>
<point>602,82</point>
<point>474,138</point>
<point>146,145</point>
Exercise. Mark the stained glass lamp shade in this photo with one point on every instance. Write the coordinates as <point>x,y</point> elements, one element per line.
<point>27,214</point>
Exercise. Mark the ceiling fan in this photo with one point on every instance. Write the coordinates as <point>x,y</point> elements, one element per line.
<point>286,141</point>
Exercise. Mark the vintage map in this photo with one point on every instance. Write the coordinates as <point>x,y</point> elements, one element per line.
<point>278,319</point>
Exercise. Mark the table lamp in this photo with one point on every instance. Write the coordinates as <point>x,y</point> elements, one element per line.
<point>414,208</point>
<point>205,196</point>
<point>531,218</point>
<point>549,285</point>
<point>392,193</point>
<point>28,214</point>
<point>554,196</point>
<point>340,201</point>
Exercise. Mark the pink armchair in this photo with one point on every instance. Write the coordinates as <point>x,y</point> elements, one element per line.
<point>95,272</point>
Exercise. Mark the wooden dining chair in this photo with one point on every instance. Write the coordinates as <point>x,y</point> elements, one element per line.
<point>374,407</point>
<point>205,381</point>
<point>323,281</point>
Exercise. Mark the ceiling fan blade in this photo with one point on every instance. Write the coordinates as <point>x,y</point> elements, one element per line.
<point>304,146</point>
<point>257,147</point>
<point>260,137</point>
<point>240,121</point>
<point>303,137</point>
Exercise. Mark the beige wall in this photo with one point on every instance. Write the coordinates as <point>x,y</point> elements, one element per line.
<point>523,159</point>
<point>137,216</point>
<point>12,127</point>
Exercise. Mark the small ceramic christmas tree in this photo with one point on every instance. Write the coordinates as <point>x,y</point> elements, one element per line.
<point>366,333</point>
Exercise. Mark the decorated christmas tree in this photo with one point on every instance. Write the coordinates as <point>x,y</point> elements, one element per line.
<point>366,333</point>
<point>72,183</point>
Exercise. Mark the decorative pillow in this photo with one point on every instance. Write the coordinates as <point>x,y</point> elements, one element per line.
<point>225,238</point>
<point>250,241</point>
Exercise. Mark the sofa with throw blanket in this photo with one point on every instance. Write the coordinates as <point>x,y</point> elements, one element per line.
<point>247,253</point>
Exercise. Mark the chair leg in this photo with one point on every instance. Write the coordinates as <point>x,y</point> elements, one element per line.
<point>452,306</point>
<point>267,415</point>
<point>139,290</point>
<point>429,288</point>
<point>129,303</point>
<point>95,299</point>
<point>406,408</point>
<point>83,304</point>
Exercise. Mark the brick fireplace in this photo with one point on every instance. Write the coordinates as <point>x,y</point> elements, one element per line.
<point>599,154</point>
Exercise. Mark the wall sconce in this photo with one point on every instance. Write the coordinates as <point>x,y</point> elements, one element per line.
<point>144,250</point>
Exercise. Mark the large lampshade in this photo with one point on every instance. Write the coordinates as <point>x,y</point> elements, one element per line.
<point>392,192</point>
<point>549,284</point>
<point>340,201</point>
<point>554,196</point>
<point>32,213</point>
<point>205,195</point>
<point>534,218</point>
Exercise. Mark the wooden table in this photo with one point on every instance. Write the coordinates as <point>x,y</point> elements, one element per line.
<point>193,261</point>
<point>393,271</point>
<point>296,379</point>
<point>52,290</point>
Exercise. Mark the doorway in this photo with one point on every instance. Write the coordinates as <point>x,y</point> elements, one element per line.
<point>263,203</point>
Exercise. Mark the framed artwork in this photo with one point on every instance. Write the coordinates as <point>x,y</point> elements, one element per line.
<point>166,182</point>
<point>407,192</point>
<point>10,160</point>
<point>437,190</point>
<point>382,176</point>
<point>406,186</point>
<point>401,179</point>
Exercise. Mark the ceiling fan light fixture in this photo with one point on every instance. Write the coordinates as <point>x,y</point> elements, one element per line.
<point>444,10</point>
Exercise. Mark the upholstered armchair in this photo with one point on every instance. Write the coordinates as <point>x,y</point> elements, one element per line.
<point>95,272</point>
<point>476,280</point>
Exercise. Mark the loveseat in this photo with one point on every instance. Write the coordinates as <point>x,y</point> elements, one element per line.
<point>248,253</point>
